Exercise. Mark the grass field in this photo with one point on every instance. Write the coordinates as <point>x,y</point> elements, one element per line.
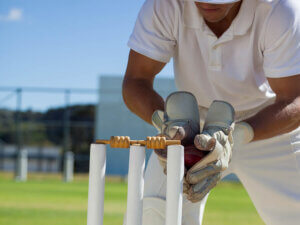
<point>45,200</point>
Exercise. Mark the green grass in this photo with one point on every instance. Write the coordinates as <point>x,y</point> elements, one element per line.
<point>45,200</point>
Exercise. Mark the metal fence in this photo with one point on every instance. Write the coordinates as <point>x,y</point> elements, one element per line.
<point>65,122</point>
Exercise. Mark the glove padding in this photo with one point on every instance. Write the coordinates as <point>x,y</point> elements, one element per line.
<point>217,139</point>
<point>180,120</point>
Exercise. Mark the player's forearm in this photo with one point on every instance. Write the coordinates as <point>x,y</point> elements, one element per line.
<point>278,118</point>
<point>141,98</point>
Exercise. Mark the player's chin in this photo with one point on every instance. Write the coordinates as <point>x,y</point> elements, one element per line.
<point>214,18</point>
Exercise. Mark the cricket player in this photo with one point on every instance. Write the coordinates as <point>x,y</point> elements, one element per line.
<point>237,69</point>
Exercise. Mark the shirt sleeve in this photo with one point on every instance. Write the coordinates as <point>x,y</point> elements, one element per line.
<point>282,41</point>
<point>154,31</point>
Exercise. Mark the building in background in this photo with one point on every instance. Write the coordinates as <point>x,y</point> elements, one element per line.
<point>114,119</point>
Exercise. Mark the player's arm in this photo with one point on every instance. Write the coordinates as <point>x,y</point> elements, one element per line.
<point>284,115</point>
<point>138,92</point>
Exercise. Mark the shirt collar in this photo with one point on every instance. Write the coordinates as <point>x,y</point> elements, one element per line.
<point>240,25</point>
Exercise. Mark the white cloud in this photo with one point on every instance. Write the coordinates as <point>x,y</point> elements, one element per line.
<point>13,15</point>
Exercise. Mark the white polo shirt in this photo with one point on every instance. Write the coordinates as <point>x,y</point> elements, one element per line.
<point>262,42</point>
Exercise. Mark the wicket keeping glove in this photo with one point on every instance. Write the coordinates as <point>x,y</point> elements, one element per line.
<point>216,138</point>
<point>179,121</point>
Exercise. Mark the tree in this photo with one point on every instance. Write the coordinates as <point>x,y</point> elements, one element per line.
<point>81,126</point>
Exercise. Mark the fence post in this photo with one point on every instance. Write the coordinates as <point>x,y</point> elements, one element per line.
<point>22,165</point>
<point>68,166</point>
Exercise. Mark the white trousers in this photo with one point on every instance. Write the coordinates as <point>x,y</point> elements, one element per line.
<point>268,169</point>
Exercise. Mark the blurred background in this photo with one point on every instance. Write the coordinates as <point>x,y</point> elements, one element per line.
<point>53,55</point>
<point>61,69</point>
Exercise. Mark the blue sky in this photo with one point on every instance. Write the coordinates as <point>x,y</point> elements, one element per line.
<point>63,43</point>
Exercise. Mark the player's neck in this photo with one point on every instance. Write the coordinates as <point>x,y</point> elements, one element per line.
<point>218,28</point>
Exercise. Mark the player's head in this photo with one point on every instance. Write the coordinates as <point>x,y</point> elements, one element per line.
<point>216,10</point>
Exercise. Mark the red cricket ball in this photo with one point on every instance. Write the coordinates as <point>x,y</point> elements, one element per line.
<point>192,155</point>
